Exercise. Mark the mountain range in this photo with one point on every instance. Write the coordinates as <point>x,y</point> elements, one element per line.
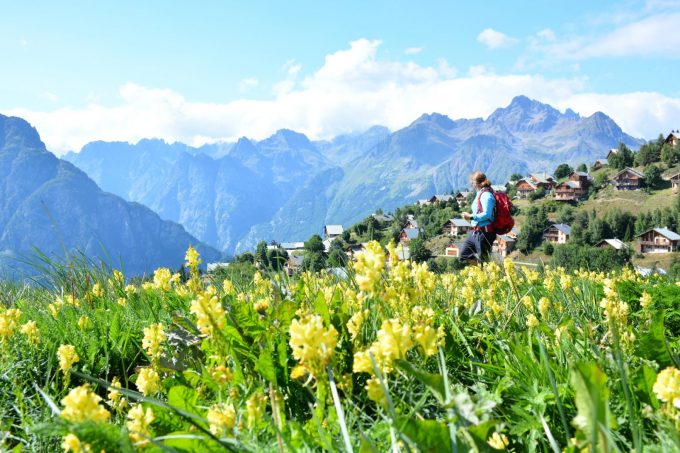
<point>48,204</point>
<point>286,187</point>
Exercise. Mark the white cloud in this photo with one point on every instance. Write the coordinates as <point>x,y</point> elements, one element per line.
<point>50,96</point>
<point>494,39</point>
<point>351,91</point>
<point>247,84</point>
<point>413,50</point>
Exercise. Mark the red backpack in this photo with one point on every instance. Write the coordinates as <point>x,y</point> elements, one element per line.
<point>503,221</point>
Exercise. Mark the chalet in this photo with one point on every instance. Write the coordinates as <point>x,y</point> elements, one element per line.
<point>513,233</point>
<point>407,234</point>
<point>628,179</point>
<point>411,222</point>
<point>503,245</point>
<point>292,246</point>
<point>673,139</point>
<point>612,152</point>
<point>675,181</point>
<point>599,163</point>
<point>332,231</point>
<point>616,244</point>
<point>453,249</point>
<point>575,188</point>
<point>461,198</point>
<point>353,249</point>
<point>273,245</point>
<point>441,198</point>
<point>543,180</point>
<point>294,263</point>
<point>525,187</point>
<point>658,240</point>
<point>383,218</point>
<point>456,227</point>
<point>557,233</point>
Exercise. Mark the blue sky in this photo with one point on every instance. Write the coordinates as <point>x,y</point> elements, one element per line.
<point>206,71</point>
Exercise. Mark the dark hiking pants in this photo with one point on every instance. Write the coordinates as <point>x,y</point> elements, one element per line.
<point>477,245</point>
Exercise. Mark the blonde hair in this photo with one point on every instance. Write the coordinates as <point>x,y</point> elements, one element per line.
<point>480,179</point>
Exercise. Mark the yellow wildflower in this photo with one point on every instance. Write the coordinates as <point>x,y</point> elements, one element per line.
<point>192,258</point>
<point>369,266</point>
<point>543,306</point>
<point>428,338</point>
<point>138,424</point>
<point>375,392</point>
<point>84,323</point>
<point>153,339</point>
<point>312,343</point>
<point>208,311</point>
<point>9,321</point>
<point>221,374</point>
<point>71,443</point>
<point>130,290</point>
<point>395,339</point>
<point>70,299</point>
<point>115,398</point>
<point>228,287</point>
<point>117,279</point>
<point>67,357</point>
<point>121,301</point>
<point>55,307</point>
<point>255,407</point>
<point>667,386</point>
<point>262,305</point>
<point>221,418</point>
<point>298,371</point>
<point>355,322</point>
<point>532,321</point>
<point>30,329</point>
<point>82,404</point>
<point>162,278</point>
<point>498,441</point>
<point>645,300</point>
<point>148,381</point>
<point>97,290</point>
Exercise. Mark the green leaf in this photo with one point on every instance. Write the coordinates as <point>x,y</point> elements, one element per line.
<point>182,397</point>
<point>652,344</point>
<point>643,380</point>
<point>434,382</point>
<point>265,366</point>
<point>321,307</point>
<point>428,435</point>
<point>591,396</point>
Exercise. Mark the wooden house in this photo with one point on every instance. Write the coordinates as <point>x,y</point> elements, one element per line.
<point>332,231</point>
<point>575,188</point>
<point>557,233</point>
<point>411,222</point>
<point>599,163</point>
<point>513,233</point>
<point>673,139</point>
<point>441,198</point>
<point>675,181</point>
<point>294,263</point>
<point>503,245</point>
<point>615,244</point>
<point>407,234</point>
<point>453,249</point>
<point>456,227</point>
<point>543,180</point>
<point>628,179</point>
<point>658,240</point>
<point>525,187</point>
<point>461,198</point>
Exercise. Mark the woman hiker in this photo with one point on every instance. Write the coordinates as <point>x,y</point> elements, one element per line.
<point>477,245</point>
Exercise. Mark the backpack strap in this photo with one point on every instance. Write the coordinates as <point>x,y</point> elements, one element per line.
<point>479,198</point>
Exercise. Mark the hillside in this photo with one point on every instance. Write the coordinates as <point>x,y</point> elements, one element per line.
<point>49,204</point>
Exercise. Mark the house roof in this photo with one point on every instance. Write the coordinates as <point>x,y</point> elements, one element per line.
<point>460,222</point>
<point>424,201</point>
<point>668,234</point>
<point>505,238</point>
<point>411,233</point>
<point>457,244</point>
<point>602,161</point>
<point>632,170</point>
<point>581,173</point>
<point>443,197</point>
<point>515,230</point>
<point>413,222</point>
<point>333,229</point>
<point>528,181</point>
<point>570,184</point>
<point>616,243</point>
<point>563,227</point>
<point>675,177</point>
<point>292,245</point>
<point>383,217</point>
<point>296,260</point>
<point>463,194</point>
<point>541,177</point>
